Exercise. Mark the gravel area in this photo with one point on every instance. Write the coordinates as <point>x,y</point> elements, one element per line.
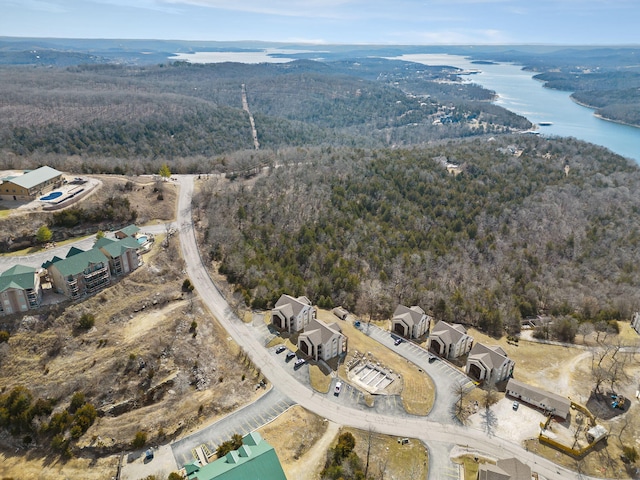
<point>503,421</point>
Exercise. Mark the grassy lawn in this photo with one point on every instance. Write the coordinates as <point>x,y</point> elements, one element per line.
<point>471,466</point>
<point>319,381</point>
<point>416,387</point>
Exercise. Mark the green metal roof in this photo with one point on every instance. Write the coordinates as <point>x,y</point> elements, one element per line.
<point>255,460</point>
<point>19,277</point>
<point>36,177</point>
<point>129,230</point>
<point>115,248</point>
<point>78,261</point>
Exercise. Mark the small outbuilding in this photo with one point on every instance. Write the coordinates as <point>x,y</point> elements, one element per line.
<point>597,433</point>
<point>340,312</point>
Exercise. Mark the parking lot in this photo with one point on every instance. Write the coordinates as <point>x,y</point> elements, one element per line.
<point>505,422</point>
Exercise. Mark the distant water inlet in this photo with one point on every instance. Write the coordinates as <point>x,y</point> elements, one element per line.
<point>51,196</point>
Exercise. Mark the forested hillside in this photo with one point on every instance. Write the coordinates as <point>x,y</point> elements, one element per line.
<point>182,112</point>
<point>551,230</point>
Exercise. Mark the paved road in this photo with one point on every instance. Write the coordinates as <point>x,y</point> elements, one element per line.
<point>431,432</point>
<point>439,436</point>
<point>36,260</point>
<point>242,421</point>
<point>444,375</point>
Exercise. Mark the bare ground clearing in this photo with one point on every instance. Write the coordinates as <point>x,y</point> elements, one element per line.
<point>155,361</point>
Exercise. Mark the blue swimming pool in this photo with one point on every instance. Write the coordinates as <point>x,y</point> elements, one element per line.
<point>142,239</point>
<point>51,196</point>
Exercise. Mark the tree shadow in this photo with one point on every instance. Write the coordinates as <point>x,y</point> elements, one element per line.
<point>489,421</point>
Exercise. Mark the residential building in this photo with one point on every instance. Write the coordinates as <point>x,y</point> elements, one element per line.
<point>507,469</point>
<point>550,402</point>
<point>292,314</point>
<point>449,340</point>
<point>30,185</point>
<point>20,289</point>
<point>321,341</point>
<point>124,255</point>
<point>255,459</point>
<point>489,363</point>
<point>410,322</point>
<point>80,273</point>
<point>128,231</point>
<point>635,322</point>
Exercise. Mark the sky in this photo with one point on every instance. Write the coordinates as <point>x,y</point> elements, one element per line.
<point>392,22</point>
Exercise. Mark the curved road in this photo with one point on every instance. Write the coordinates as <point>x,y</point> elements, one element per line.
<point>431,433</point>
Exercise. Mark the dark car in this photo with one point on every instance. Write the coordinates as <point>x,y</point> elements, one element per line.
<point>432,358</point>
<point>398,341</point>
<point>281,349</point>
<point>290,356</point>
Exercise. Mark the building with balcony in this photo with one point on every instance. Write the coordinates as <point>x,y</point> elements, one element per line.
<point>20,289</point>
<point>81,273</point>
<point>124,255</point>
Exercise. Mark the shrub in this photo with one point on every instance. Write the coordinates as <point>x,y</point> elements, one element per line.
<point>139,440</point>
<point>86,322</point>
<point>4,336</point>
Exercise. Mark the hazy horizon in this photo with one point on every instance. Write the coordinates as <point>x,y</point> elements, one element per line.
<point>330,22</point>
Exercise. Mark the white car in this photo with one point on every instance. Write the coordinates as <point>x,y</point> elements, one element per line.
<point>336,390</point>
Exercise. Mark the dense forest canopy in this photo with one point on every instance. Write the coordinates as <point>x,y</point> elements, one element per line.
<point>179,110</point>
<point>529,227</point>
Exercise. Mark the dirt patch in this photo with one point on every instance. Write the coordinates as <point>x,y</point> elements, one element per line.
<point>295,435</point>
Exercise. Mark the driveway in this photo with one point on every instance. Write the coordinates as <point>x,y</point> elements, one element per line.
<point>444,375</point>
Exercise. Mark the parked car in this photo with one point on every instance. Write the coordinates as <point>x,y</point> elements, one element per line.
<point>515,405</point>
<point>336,390</point>
<point>432,358</point>
<point>281,349</point>
<point>299,363</point>
<point>290,356</point>
<point>398,341</point>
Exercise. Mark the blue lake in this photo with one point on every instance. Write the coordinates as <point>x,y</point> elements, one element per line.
<point>519,92</point>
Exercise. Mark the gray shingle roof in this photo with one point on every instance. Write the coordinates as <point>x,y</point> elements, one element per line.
<point>560,405</point>
<point>410,316</point>
<point>492,356</point>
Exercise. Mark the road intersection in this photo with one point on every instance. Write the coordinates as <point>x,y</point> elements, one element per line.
<point>436,435</point>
